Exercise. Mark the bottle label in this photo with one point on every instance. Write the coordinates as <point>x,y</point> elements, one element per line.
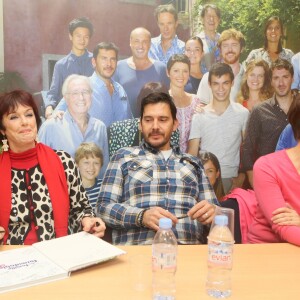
<point>164,260</point>
<point>220,253</point>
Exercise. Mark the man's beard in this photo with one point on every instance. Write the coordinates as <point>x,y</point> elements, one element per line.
<point>232,60</point>
<point>157,146</point>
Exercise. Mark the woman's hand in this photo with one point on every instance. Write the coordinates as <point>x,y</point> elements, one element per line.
<point>285,216</point>
<point>2,232</point>
<point>94,226</point>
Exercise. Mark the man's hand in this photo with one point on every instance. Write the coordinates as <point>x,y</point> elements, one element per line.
<point>58,114</point>
<point>203,211</point>
<point>48,112</point>
<point>237,182</point>
<point>93,225</point>
<point>250,177</point>
<point>285,216</point>
<point>199,108</point>
<point>151,217</point>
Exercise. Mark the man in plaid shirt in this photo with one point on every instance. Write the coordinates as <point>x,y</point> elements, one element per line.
<point>155,180</point>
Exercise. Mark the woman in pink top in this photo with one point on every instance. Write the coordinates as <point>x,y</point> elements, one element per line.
<point>178,70</point>
<point>277,189</point>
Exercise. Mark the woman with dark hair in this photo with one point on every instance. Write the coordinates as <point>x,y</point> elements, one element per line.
<point>256,84</point>
<point>42,196</point>
<point>272,49</point>
<point>277,189</point>
<point>194,51</point>
<point>213,172</point>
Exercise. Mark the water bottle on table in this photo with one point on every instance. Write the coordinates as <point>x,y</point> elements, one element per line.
<point>164,261</point>
<point>220,251</point>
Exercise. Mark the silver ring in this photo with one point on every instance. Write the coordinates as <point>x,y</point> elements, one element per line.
<point>206,215</point>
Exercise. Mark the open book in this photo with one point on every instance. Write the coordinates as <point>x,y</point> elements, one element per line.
<point>52,260</point>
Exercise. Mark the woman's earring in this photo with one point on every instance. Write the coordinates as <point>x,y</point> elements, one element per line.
<point>5,146</point>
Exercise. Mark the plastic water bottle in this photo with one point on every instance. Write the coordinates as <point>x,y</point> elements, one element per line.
<point>164,261</point>
<point>220,250</point>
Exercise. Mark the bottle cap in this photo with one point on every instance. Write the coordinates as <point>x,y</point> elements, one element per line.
<point>165,223</point>
<point>221,220</point>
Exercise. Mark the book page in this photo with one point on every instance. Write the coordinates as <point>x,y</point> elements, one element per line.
<point>26,266</point>
<point>78,250</point>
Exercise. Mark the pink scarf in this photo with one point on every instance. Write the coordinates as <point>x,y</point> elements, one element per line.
<point>247,206</point>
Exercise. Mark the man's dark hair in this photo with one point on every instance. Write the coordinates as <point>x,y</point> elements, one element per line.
<point>294,116</point>
<point>169,8</point>
<point>106,46</point>
<point>81,22</point>
<point>160,97</point>
<point>282,64</point>
<point>211,6</point>
<point>148,88</point>
<point>220,69</point>
<point>182,58</point>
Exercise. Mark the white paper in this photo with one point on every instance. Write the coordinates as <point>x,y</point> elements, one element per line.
<point>78,250</point>
<point>26,266</point>
<point>52,260</point>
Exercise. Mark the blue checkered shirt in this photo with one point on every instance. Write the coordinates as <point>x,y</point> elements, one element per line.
<point>156,52</point>
<point>139,178</point>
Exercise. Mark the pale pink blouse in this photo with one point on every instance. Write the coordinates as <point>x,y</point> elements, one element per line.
<point>184,117</point>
